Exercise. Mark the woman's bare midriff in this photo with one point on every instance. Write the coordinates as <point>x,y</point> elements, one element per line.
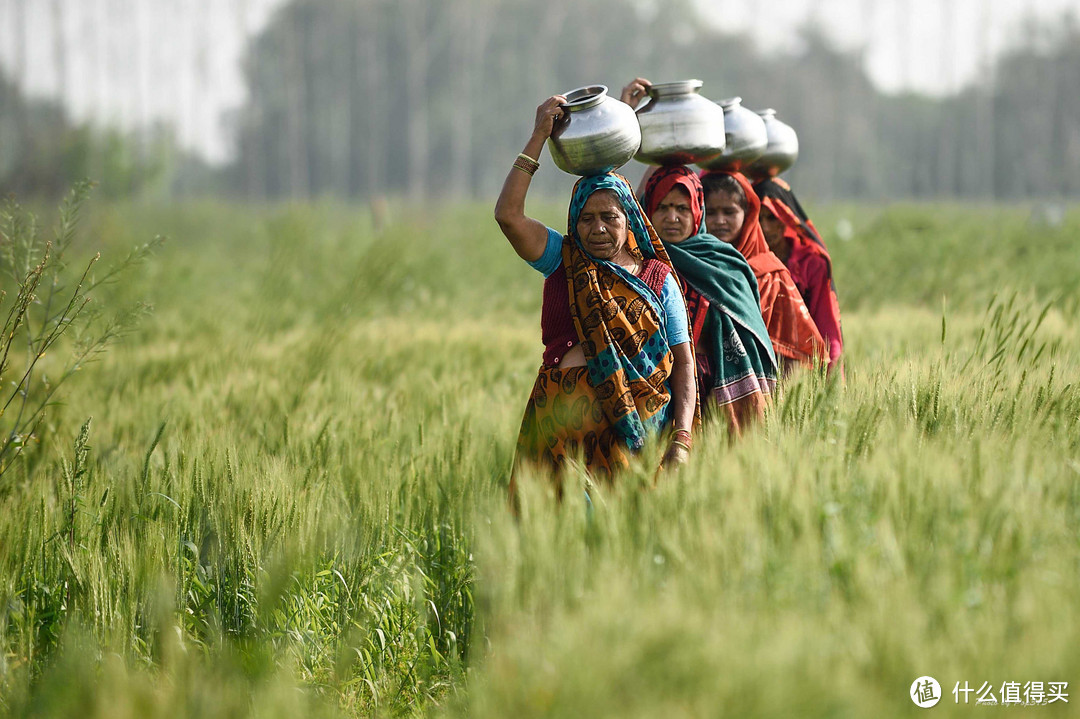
<point>574,357</point>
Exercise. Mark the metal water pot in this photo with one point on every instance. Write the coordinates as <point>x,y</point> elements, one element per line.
<point>745,134</point>
<point>679,126</point>
<point>596,133</point>
<point>782,151</point>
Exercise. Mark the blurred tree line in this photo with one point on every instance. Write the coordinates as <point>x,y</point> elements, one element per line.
<point>433,99</point>
<point>359,97</point>
<point>43,153</point>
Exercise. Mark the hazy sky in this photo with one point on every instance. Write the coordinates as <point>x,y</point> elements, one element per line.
<point>131,62</point>
<point>934,46</point>
<point>134,61</point>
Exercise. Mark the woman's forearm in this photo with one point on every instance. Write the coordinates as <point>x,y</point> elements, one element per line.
<point>527,236</point>
<point>511,203</point>
<point>683,388</point>
<point>684,402</point>
<point>510,206</point>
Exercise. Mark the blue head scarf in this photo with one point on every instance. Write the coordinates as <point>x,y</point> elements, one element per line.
<point>607,363</point>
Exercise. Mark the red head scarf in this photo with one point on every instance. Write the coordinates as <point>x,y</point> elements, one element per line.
<point>818,291</point>
<point>802,232</point>
<point>788,208</point>
<point>794,335</point>
<point>751,241</point>
<point>664,180</point>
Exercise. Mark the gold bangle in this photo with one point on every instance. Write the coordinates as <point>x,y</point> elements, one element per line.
<point>683,434</point>
<point>684,445</point>
<point>526,164</point>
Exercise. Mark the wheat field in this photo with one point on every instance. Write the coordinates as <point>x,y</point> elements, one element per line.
<point>282,492</point>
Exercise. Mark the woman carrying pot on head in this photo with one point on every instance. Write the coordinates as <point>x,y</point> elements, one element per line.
<point>793,238</point>
<point>736,367</point>
<point>618,365</point>
<point>731,214</point>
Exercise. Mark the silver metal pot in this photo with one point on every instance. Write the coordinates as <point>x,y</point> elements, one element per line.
<point>782,151</point>
<point>679,126</point>
<point>745,135</point>
<point>596,133</point>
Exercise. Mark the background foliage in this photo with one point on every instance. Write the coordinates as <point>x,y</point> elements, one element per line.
<point>432,99</point>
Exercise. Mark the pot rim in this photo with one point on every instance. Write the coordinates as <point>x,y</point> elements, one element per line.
<point>584,97</point>
<point>679,87</point>
<point>767,112</point>
<point>730,102</point>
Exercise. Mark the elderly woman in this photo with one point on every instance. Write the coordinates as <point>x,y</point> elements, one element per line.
<point>618,365</point>
<point>731,214</point>
<point>793,238</point>
<point>736,367</point>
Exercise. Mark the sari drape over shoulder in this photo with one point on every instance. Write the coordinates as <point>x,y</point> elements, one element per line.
<point>736,367</point>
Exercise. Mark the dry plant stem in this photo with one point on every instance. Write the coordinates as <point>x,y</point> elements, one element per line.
<point>39,323</point>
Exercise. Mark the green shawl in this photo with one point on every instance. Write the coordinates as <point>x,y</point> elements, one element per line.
<point>722,276</point>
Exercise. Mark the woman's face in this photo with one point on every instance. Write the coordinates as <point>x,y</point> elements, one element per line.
<point>773,229</point>
<point>602,225</point>
<point>723,215</point>
<point>673,219</point>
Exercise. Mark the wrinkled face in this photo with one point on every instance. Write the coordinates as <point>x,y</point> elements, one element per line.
<point>602,225</point>
<point>773,229</point>
<point>723,215</point>
<point>673,219</point>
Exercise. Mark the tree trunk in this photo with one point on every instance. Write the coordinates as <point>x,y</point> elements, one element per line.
<point>476,31</point>
<point>22,121</point>
<point>372,152</point>
<point>344,82</point>
<point>60,50</point>
<point>416,75</point>
<point>297,141</point>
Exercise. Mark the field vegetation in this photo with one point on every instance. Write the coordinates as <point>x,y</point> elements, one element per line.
<point>282,492</point>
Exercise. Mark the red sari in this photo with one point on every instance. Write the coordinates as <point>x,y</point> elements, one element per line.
<point>791,329</point>
<point>809,264</point>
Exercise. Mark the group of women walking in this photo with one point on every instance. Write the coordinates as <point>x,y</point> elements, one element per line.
<point>695,299</point>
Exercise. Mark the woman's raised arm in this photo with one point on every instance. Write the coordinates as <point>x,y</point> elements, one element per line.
<point>528,236</point>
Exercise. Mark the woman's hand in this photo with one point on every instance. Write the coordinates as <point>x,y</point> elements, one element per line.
<point>675,456</point>
<point>635,92</point>
<point>547,114</point>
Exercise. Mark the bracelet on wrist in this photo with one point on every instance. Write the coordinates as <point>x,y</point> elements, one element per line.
<point>683,437</point>
<point>526,164</point>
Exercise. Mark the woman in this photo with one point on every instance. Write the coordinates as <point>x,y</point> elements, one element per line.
<point>736,367</point>
<point>793,238</point>
<point>618,365</point>
<point>731,214</point>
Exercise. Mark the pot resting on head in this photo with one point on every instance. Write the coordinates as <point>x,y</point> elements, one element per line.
<point>679,126</point>
<point>781,153</point>
<point>745,135</point>
<point>596,134</point>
